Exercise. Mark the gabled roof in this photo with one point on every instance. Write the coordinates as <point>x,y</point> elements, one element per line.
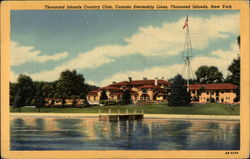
<point>148,82</point>
<point>140,82</point>
<point>110,88</point>
<point>94,92</point>
<point>120,93</point>
<point>215,86</point>
<point>116,93</point>
<point>149,86</point>
<point>123,83</point>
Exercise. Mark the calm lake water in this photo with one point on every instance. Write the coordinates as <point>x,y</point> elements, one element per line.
<point>30,133</point>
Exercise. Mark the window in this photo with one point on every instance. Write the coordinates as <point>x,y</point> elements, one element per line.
<point>207,93</point>
<point>94,97</point>
<point>222,92</point>
<point>193,91</point>
<point>212,93</point>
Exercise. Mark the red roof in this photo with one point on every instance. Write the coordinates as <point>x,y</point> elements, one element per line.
<point>94,92</point>
<point>110,88</point>
<point>123,83</point>
<point>120,93</point>
<point>149,86</point>
<point>148,82</point>
<point>140,82</point>
<point>216,86</point>
<point>116,93</point>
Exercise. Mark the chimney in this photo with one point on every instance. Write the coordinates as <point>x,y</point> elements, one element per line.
<point>144,78</point>
<point>129,79</point>
<point>162,78</point>
<point>156,81</point>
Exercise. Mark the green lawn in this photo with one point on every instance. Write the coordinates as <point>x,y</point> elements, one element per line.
<point>198,109</point>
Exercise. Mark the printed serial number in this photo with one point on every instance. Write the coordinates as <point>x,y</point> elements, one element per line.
<point>231,153</point>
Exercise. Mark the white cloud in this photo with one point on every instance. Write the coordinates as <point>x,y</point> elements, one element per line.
<point>13,76</point>
<point>166,40</point>
<point>222,59</point>
<point>22,54</point>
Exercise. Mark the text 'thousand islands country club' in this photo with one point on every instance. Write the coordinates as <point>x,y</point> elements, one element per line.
<point>98,7</point>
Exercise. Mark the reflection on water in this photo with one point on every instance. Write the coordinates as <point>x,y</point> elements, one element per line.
<point>30,133</point>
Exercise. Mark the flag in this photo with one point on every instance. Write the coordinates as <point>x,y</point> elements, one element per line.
<point>186,23</point>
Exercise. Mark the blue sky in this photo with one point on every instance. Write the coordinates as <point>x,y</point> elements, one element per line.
<point>108,46</point>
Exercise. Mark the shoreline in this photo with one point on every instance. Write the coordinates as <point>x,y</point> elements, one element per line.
<point>147,116</point>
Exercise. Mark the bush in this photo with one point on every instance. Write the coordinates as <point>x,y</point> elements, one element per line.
<point>212,100</point>
<point>111,102</point>
<point>195,99</point>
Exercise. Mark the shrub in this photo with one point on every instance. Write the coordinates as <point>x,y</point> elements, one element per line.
<point>195,99</point>
<point>212,100</point>
<point>111,102</point>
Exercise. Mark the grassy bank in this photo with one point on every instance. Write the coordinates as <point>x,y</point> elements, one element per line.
<point>197,109</point>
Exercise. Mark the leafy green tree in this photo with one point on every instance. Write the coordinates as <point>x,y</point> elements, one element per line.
<point>234,69</point>
<point>234,76</point>
<point>18,100</point>
<point>25,84</point>
<point>51,104</point>
<point>40,102</point>
<point>126,97</point>
<point>103,95</point>
<point>13,91</point>
<point>63,102</point>
<point>208,74</point>
<point>74,102</point>
<point>70,83</point>
<point>178,94</point>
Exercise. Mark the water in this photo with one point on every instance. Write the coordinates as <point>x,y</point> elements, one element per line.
<point>30,133</point>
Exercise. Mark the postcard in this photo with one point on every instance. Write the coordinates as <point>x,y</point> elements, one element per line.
<point>125,79</point>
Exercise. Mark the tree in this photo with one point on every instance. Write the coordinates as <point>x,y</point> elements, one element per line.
<point>63,102</point>
<point>51,104</point>
<point>26,87</point>
<point>70,83</point>
<point>208,74</point>
<point>178,94</point>
<point>39,95</point>
<point>18,100</point>
<point>13,91</point>
<point>74,102</point>
<point>234,69</point>
<point>40,102</point>
<point>103,95</point>
<point>234,76</point>
<point>126,97</point>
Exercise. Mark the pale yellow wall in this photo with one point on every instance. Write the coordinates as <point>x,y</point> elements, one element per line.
<point>227,96</point>
<point>134,89</point>
<point>93,98</point>
<point>150,93</point>
<point>159,98</point>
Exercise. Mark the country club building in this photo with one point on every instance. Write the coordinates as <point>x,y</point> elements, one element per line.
<point>219,92</point>
<point>146,89</point>
<point>58,102</point>
<point>156,90</point>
